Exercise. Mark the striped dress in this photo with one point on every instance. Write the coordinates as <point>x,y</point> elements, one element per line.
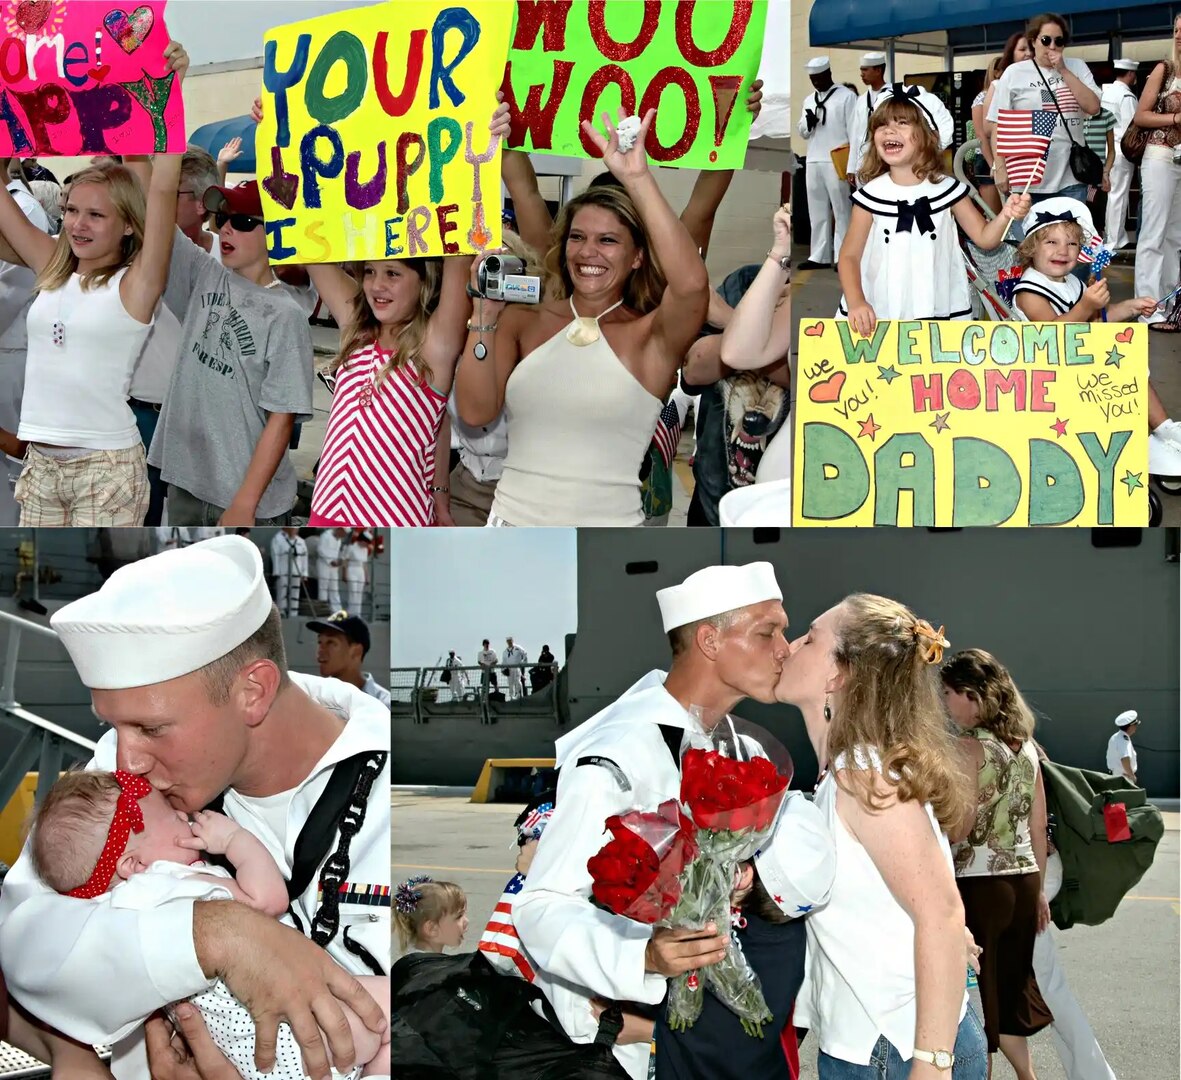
<point>378,461</point>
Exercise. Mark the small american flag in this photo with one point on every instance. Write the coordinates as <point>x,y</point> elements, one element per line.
<point>668,432</point>
<point>1097,254</point>
<point>499,942</point>
<point>1023,140</point>
<point>1066,100</point>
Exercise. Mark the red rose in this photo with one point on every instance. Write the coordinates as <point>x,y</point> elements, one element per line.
<point>725,794</point>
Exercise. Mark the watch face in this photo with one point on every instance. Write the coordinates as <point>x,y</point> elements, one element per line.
<point>943,1060</point>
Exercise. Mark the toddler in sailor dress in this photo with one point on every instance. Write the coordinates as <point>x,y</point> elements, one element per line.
<point>113,838</point>
<point>901,257</point>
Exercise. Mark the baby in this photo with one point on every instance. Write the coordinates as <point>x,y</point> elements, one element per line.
<point>112,836</point>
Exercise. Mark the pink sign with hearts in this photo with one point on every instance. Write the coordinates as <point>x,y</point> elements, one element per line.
<point>84,77</point>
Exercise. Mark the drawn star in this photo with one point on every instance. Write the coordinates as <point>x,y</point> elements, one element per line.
<point>1059,427</point>
<point>777,899</point>
<point>1113,358</point>
<point>888,374</point>
<point>803,908</point>
<point>868,427</point>
<point>940,423</point>
<point>1132,480</point>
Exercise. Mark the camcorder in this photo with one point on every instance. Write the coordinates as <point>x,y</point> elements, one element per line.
<point>503,277</point>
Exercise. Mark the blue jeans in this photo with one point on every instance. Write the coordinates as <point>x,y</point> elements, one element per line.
<point>885,1063</point>
<point>146,417</point>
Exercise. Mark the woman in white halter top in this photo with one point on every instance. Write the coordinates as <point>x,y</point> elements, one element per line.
<point>582,377</point>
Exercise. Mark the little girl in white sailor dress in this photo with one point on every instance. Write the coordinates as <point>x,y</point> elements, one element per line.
<point>901,257</point>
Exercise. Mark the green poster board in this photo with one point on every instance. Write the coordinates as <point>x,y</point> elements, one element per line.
<point>692,62</point>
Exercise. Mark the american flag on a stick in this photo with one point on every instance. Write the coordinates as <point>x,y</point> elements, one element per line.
<point>1097,254</point>
<point>1023,140</point>
<point>668,431</point>
<point>1065,98</point>
<point>499,942</point>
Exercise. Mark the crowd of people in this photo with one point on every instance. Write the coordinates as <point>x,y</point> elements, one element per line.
<point>513,665</point>
<point>886,209</point>
<point>925,845</point>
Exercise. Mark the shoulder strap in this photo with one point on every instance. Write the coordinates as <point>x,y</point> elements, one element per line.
<point>1061,115</point>
<point>611,766</point>
<point>673,737</point>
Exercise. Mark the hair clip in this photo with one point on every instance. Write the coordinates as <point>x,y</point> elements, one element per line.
<point>406,896</point>
<point>932,641</point>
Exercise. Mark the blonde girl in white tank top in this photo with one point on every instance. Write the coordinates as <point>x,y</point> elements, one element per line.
<point>598,360</point>
<point>98,284</point>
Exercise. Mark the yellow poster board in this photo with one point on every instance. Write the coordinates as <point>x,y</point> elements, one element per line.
<point>954,424</point>
<point>374,142</point>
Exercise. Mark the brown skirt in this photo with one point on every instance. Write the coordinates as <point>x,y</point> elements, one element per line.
<point>1001,912</point>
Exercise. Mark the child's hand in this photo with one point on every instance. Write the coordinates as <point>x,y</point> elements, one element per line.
<point>230,152</point>
<point>754,100</point>
<point>212,832</point>
<point>1018,206</point>
<point>1140,305</point>
<point>256,110</point>
<point>1097,295</point>
<point>863,319</point>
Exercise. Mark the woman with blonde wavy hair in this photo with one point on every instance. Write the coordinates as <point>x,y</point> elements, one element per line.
<point>98,284</point>
<point>885,984</point>
<point>583,376</point>
<point>1000,847</point>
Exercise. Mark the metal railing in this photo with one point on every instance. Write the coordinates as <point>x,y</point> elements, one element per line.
<point>43,742</point>
<point>422,693</point>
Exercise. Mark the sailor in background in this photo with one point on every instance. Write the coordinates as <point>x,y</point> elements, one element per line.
<point>824,123</point>
<point>183,654</point>
<point>726,625</point>
<point>514,654</point>
<point>873,74</point>
<point>289,564</point>
<point>1121,101</point>
<point>328,563</point>
<point>1121,754</point>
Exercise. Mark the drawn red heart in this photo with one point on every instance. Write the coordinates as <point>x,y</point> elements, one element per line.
<point>1124,336</point>
<point>99,73</point>
<point>828,391</point>
<point>815,330</point>
<point>32,14</point>
<point>129,31</point>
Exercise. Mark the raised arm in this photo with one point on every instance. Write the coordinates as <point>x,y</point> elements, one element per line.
<point>21,242</point>
<point>446,332</point>
<point>258,880</point>
<point>989,234</point>
<point>760,331</point>
<point>337,289</point>
<point>1146,114</point>
<point>479,384</point>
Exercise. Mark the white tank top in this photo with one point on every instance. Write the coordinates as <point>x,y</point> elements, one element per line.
<point>76,392</point>
<point>859,982</point>
<point>579,425</point>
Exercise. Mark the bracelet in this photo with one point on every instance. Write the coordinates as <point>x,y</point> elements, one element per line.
<point>481,329</point>
<point>435,490</point>
<point>784,261</point>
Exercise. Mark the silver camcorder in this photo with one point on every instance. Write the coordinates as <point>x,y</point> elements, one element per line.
<point>503,277</point>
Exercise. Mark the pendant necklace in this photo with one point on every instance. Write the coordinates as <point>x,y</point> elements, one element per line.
<point>59,328</point>
<point>585,328</point>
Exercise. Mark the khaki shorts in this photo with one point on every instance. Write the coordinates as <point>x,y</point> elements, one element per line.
<point>106,487</point>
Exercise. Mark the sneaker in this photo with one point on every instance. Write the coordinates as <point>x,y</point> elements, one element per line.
<point>1164,456</point>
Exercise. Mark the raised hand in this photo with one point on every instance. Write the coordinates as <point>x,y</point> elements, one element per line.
<point>230,152</point>
<point>1018,206</point>
<point>781,228</point>
<point>754,100</point>
<point>212,832</point>
<point>177,59</point>
<point>624,165</point>
<point>499,125</point>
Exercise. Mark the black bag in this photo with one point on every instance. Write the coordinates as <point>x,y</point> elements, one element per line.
<point>446,676</point>
<point>1084,162</point>
<point>457,1018</point>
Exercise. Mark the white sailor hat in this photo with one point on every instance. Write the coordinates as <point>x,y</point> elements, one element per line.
<point>817,64</point>
<point>716,589</point>
<point>167,615</point>
<point>873,59</point>
<point>1124,64</point>
<point>798,865</point>
<point>1057,210</point>
<point>1126,718</point>
<point>935,113</point>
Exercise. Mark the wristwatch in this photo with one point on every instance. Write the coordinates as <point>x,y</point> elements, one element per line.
<point>943,1060</point>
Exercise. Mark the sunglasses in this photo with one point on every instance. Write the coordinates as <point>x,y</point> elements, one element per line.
<point>241,222</point>
<point>1057,42</point>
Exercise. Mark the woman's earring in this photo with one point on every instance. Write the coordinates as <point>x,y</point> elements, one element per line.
<point>827,712</point>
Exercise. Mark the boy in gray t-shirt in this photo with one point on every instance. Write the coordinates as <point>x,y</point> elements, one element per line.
<point>242,380</point>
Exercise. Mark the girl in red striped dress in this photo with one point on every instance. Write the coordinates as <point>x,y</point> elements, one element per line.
<point>403,327</point>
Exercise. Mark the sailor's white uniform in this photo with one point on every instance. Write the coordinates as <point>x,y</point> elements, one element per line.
<point>356,559</point>
<point>289,564</point>
<point>516,675</point>
<point>912,266</point>
<point>1120,746</point>
<point>96,973</point>
<point>859,117</point>
<point>1119,100</point>
<point>579,951</point>
<point>328,575</point>
<point>828,194</point>
<point>229,1022</point>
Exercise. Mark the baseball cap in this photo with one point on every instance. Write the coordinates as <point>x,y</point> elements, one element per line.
<point>241,199</point>
<point>353,627</point>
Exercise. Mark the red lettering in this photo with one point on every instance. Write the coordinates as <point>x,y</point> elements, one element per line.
<point>656,150</point>
<point>619,51</point>
<point>44,105</point>
<point>548,16</point>
<point>725,90</point>
<point>928,396</point>
<point>405,168</point>
<point>729,46</point>
<point>1042,382</point>
<point>1000,382</point>
<point>399,104</point>
<point>442,215</point>
<point>963,391</point>
<point>596,84</point>
<point>534,119</point>
<point>21,71</point>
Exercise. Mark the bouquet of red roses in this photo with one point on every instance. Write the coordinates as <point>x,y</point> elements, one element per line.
<point>734,804</point>
<point>637,872</point>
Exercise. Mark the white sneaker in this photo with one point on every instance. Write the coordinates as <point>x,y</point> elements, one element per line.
<point>1170,432</point>
<point>1164,456</point>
